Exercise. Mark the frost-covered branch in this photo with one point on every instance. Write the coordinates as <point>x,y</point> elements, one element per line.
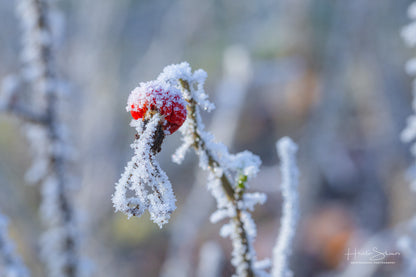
<point>46,135</point>
<point>9,102</point>
<point>10,264</point>
<point>230,97</point>
<point>145,178</point>
<point>228,173</point>
<point>161,101</point>
<point>286,149</point>
<point>157,110</point>
<point>241,255</point>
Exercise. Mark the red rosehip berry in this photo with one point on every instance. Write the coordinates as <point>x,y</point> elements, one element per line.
<point>167,101</point>
<point>136,114</point>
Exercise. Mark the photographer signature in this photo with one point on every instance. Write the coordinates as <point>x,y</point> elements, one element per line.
<point>373,254</point>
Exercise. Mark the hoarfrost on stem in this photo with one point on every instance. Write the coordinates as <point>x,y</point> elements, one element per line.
<point>286,149</point>
<point>158,109</point>
<point>39,110</point>
<point>231,93</point>
<point>228,173</point>
<point>143,175</point>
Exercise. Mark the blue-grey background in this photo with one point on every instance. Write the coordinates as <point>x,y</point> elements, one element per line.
<point>330,74</point>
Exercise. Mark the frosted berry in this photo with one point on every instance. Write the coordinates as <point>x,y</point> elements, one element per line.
<point>152,97</point>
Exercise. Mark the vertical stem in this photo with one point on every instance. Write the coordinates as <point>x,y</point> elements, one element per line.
<point>213,164</point>
<point>38,41</point>
<point>286,149</point>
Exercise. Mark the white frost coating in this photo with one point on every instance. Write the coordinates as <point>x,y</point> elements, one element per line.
<point>246,161</point>
<point>226,165</point>
<point>35,39</point>
<point>221,214</point>
<point>172,73</point>
<point>10,264</point>
<point>54,252</point>
<point>252,199</point>
<point>286,149</point>
<point>263,264</point>
<point>50,203</point>
<point>180,153</point>
<point>140,95</point>
<point>231,94</point>
<point>239,249</point>
<point>144,177</point>
<point>47,138</point>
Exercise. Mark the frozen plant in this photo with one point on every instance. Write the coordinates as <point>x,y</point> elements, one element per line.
<point>228,173</point>
<point>286,149</point>
<point>10,264</point>
<point>230,96</point>
<point>38,108</point>
<point>158,109</point>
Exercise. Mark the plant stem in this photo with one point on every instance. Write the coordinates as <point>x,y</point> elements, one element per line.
<point>233,195</point>
<point>45,99</point>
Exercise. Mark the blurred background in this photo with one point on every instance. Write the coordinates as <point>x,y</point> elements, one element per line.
<point>328,73</point>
